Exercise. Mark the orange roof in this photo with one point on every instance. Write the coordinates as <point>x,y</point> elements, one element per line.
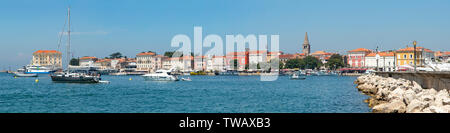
<point>438,53</point>
<point>321,53</point>
<point>87,57</point>
<point>280,52</point>
<point>218,56</point>
<point>161,56</point>
<point>182,58</point>
<point>103,60</point>
<point>146,53</point>
<point>360,50</point>
<point>446,53</point>
<point>237,53</point>
<point>258,52</point>
<point>287,56</point>
<point>381,54</point>
<point>46,51</point>
<point>417,49</point>
<point>302,54</point>
<point>200,57</point>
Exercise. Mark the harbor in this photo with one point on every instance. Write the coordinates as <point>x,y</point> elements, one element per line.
<point>128,58</point>
<point>204,94</point>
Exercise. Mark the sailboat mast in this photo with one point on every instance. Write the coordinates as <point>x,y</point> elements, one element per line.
<point>68,39</point>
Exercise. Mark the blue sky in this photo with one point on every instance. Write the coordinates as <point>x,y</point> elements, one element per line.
<point>133,26</point>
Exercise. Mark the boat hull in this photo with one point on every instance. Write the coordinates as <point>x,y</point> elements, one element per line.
<point>156,78</point>
<point>25,75</point>
<point>61,79</point>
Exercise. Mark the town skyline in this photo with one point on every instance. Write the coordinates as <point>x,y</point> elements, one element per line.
<point>389,27</point>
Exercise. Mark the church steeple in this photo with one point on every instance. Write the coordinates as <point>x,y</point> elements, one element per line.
<point>306,46</point>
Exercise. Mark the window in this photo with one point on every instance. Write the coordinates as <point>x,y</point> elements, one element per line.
<point>404,56</point>
<point>410,56</point>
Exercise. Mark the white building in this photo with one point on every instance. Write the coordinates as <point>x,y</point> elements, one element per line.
<point>87,61</point>
<point>216,63</point>
<point>47,58</point>
<point>386,61</point>
<point>200,63</point>
<point>184,64</point>
<point>145,62</point>
<point>256,57</point>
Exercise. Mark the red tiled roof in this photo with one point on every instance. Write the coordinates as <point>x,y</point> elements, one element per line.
<point>103,60</point>
<point>218,56</point>
<point>200,57</point>
<point>237,53</point>
<point>381,54</point>
<point>321,53</point>
<point>87,57</point>
<point>146,53</point>
<point>280,52</point>
<point>417,49</point>
<point>360,50</point>
<point>46,51</point>
<point>287,56</point>
<point>301,54</point>
<point>258,52</point>
<point>182,58</point>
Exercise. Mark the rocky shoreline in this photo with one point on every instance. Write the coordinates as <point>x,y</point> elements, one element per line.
<point>389,95</point>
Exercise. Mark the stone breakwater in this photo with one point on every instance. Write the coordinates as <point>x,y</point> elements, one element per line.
<point>389,95</point>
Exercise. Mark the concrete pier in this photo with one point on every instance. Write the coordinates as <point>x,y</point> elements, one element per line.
<point>436,80</point>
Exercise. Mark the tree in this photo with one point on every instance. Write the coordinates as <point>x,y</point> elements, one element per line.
<point>310,62</point>
<point>115,55</point>
<point>335,61</point>
<point>168,53</point>
<point>74,62</point>
<point>292,63</point>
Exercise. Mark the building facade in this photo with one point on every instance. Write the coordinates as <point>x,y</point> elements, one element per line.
<point>47,58</point>
<point>384,62</point>
<point>406,56</point>
<point>322,56</point>
<point>145,62</point>
<point>87,61</point>
<point>242,59</point>
<point>356,57</point>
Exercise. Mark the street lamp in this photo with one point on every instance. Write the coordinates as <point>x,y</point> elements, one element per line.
<point>415,65</point>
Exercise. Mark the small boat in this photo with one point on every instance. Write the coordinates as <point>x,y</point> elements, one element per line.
<point>186,79</point>
<point>160,75</point>
<point>297,77</point>
<point>38,69</point>
<point>19,74</point>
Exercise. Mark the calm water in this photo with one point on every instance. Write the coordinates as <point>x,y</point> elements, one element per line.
<point>205,94</point>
